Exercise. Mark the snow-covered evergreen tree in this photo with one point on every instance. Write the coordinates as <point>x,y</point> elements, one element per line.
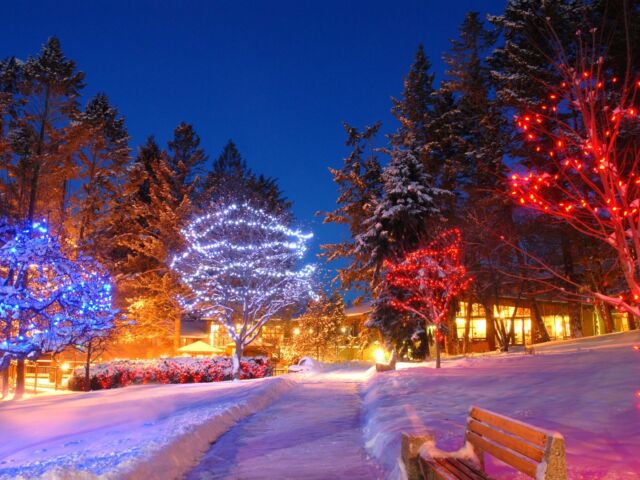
<point>408,206</point>
<point>359,187</point>
<point>47,88</point>
<point>413,109</point>
<point>240,267</point>
<point>143,229</point>
<point>100,147</point>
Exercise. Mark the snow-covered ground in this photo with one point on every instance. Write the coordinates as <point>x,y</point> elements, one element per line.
<point>584,389</point>
<point>152,431</point>
<point>337,422</point>
<point>314,432</point>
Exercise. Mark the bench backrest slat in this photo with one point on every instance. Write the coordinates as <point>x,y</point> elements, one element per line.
<point>524,447</point>
<point>524,465</point>
<point>514,443</point>
<point>530,434</point>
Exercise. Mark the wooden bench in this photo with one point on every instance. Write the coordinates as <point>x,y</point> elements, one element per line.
<point>538,453</point>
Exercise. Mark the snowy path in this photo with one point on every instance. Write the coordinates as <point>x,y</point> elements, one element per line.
<point>151,431</point>
<point>313,432</point>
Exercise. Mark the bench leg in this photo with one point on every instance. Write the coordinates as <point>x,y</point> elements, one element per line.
<point>556,463</point>
<point>409,451</point>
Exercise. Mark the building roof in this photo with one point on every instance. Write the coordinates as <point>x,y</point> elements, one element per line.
<point>200,347</point>
<point>361,309</point>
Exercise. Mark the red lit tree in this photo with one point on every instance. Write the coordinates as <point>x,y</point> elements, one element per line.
<point>427,280</point>
<point>585,145</point>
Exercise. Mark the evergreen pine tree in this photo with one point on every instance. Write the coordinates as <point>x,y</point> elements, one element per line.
<point>359,186</point>
<point>413,110</point>
<point>232,181</point>
<point>102,153</point>
<point>400,217</point>
<point>186,158</point>
<point>49,88</point>
<point>145,231</point>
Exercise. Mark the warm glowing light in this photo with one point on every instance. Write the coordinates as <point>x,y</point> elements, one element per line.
<point>379,355</point>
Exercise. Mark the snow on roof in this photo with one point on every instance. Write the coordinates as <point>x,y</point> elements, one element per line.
<point>361,309</point>
<point>200,347</point>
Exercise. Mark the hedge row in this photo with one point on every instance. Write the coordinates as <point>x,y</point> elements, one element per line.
<point>122,373</point>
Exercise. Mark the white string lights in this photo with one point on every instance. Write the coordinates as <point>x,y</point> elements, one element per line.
<point>240,266</point>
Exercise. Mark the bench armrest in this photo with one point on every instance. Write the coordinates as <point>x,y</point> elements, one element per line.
<point>410,447</point>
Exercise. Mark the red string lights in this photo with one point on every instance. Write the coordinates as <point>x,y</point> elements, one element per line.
<point>585,148</point>
<point>428,280</point>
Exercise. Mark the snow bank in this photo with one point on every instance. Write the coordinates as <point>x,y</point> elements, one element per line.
<point>152,431</point>
<point>584,389</point>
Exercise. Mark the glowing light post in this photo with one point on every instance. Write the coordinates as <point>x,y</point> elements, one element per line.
<point>429,279</point>
<point>239,266</point>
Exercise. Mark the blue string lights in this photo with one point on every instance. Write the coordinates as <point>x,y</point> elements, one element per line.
<point>49,301</point>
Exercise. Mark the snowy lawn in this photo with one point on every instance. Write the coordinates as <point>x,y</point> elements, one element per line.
<point>584,389</point>
<point>152,431</point>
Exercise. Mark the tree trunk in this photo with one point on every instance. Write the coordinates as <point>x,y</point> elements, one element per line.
<point>427,349</point>
<point>438,348</point>
<point>176,334</point>
<point>33,193</point>
<point>540,329</point>
<point>236,360</point>
<point>451,339</point>
<point>575,320</point>
<point>491,325</point>
<point>633,321</point>
<point>5,382</point>
<point>569,271</point>
<point>20,368</point>
<point>605,312</point>
<point>503,335</point>
<point>87,368</point>
<point>467,328</point>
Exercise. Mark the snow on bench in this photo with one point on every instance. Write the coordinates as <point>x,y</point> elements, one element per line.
<point>538,453</point>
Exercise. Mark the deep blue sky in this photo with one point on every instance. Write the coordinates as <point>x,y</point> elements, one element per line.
<point>277,77</point>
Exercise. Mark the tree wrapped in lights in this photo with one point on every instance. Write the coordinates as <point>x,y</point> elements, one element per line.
<point>428,280</point>
<point>48,301</point>
<point>240,266</point>
<point>585,143</point>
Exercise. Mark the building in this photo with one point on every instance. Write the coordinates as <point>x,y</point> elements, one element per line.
<point>553,314</point>
<point>272,336</point>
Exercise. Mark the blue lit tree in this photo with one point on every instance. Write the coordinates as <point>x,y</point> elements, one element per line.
<point>48,300</point>
<point>240,266</point>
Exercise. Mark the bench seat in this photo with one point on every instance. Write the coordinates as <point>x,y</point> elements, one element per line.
<point>448,468</point>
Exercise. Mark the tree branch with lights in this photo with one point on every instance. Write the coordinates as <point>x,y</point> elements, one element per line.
<point>428,280</point>
<point>586,154</point>
<point>240,268</point>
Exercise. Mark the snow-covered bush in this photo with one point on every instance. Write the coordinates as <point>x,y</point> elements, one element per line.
<point>122,373</point>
